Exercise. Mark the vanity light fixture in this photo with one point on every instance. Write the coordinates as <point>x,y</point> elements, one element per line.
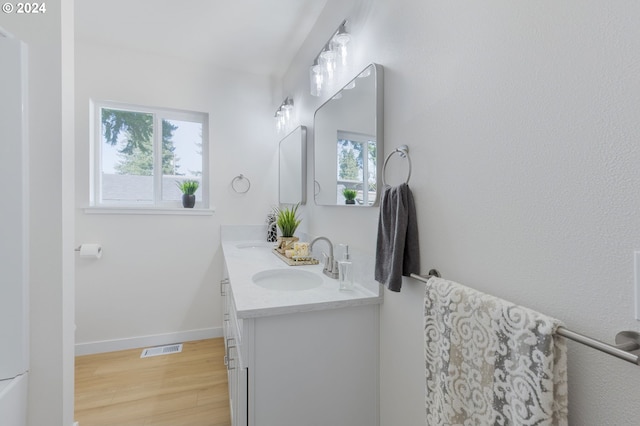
<point>284,116</point>
<point>330,62</point>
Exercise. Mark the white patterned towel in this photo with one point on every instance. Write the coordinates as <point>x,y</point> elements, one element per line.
<point>490,362</point>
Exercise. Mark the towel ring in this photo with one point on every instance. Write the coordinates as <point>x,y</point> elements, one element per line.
<point>403,150</point>
<point>237,179</point>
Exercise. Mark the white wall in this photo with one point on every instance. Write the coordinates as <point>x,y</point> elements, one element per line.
<point>159,274</point>
<point>522,123</point>
<point>49,37</point>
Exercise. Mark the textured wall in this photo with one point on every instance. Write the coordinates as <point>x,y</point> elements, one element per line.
<point>522,122</point>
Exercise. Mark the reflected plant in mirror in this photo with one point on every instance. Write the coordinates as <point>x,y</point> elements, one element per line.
<point>349,195</point>
<point>347,140</point>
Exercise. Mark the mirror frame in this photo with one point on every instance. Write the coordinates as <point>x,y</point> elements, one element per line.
<point>303,165</point>
<point>379,129</point>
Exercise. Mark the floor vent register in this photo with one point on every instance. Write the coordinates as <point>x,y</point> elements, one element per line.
<point>161,350</point>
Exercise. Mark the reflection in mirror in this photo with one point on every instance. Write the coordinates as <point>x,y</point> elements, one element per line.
<point>293,167</point>
<point>347,142</point>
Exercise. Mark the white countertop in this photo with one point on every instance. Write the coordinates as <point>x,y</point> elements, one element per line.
<point>245,258</point>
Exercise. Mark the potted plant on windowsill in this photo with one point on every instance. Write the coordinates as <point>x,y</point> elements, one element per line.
<point>349,195</point>
<point>287,222</point>
<point>188,188</point>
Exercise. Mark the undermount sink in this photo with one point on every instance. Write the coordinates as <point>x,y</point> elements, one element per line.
<point>287,279</point>
<point>254,245</point>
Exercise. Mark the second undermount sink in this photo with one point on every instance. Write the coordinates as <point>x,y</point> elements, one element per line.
<point>287,279</point>
<point>253,245</point>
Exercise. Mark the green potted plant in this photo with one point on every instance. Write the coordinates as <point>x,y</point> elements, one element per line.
<point>188,188</point>
<point>349,195</point>
<point>287,221</point>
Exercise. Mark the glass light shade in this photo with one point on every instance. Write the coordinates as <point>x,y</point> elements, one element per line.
<point>328,59</point>
<point>340,42</point>
<point>278,118</point>
<point>342,38</point>
<point>316,79</point>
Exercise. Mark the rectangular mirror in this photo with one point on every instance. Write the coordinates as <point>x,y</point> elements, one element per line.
<point>348,136</point>
<point>293,167</point>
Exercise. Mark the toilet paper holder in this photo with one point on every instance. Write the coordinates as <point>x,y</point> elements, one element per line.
<point>95,250</point>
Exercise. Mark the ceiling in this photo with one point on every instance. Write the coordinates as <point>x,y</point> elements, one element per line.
<point>259,36</point>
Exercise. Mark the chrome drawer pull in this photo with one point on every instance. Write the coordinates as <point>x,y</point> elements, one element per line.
<point>222,284</point>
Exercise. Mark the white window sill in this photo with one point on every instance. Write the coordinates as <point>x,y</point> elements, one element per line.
<point>180,211</point>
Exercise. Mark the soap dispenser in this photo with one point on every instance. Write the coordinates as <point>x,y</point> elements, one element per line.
<point>345,271</point>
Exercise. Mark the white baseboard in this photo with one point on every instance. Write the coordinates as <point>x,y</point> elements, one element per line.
<point>146,341</point>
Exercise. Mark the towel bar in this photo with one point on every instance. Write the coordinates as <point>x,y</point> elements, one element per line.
<point>403,150</point>
<point>626,341</point>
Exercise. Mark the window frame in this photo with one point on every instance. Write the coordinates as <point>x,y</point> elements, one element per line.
<point>157,205</point>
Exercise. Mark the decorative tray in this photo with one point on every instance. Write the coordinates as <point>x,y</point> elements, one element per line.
<point>296,260</point>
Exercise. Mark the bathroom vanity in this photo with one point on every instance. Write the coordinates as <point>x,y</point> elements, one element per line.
<point>298,350</point>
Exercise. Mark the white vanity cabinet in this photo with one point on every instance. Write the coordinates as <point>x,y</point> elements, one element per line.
<point>308,368</point>
<point>298,356</point>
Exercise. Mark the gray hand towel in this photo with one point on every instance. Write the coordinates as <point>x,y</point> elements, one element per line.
<point>397,249</point>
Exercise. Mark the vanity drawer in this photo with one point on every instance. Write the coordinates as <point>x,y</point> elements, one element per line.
<point>234,323</point>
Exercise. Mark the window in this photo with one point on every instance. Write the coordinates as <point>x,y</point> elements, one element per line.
<point>141,153</point>
<point>357,166</point>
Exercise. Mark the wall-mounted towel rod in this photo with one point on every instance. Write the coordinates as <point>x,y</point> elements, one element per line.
<point>626,341</point>
<point>403,150</point>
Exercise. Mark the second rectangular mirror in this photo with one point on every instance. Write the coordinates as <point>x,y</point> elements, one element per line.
<point>293,167</point>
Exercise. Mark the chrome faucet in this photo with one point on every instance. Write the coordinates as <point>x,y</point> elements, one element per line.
<point>330,268</point>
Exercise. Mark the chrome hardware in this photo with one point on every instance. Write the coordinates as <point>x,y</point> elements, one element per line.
<point>627,345</point>
<point>403,150</point>
<point>229,359</point>
<point>330,268</point>
<point>228,346</point>
<point>223,282</point>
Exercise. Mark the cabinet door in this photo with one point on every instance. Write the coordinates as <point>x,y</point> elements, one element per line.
<point>232,378</point>
<point>241,397</point>
<point>237,386</point>
<point>224,296</point>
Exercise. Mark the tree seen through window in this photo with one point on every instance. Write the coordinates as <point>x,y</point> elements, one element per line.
<point>357,166</point>
<point>131,152</point>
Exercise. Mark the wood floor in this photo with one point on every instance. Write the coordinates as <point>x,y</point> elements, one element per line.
<point>181,389</point>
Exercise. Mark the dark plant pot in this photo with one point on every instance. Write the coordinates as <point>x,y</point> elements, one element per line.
<point>188,201</point>
<point>349,201</point>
